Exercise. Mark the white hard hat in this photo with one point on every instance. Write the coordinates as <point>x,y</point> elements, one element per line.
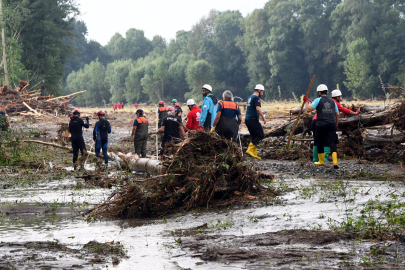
<point>336,93</point>
<point>190,102</point>
<point>321,88</point>
<point>208,87</point>
<point>259,87</point>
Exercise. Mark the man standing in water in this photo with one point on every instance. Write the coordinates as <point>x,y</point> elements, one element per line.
<point>100,135</point>
<point>76,131</point>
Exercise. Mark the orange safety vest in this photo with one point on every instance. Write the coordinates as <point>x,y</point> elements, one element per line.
<point>229,105</point>
<point>162,109</point>
<point>141,120</point>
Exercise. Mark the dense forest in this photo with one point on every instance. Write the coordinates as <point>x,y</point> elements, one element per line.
<point>353,45</point>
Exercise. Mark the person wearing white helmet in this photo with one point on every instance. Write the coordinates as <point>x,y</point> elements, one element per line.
<point>228,119</point>
<point>208,109</point>
<point>326,124</point>
<point>253,111</point>
<point>193,117</point>
<point>337,97</point>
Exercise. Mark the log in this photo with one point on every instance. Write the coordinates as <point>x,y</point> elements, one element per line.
<point>67,95</point>
<point>374,108</point>
<point>363,120</point>
<point>381,138</point>
<point>31,109</point>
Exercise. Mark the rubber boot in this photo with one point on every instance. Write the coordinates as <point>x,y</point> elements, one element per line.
<point>326,149</point>
<point>335,163</point>
<point>315,154</point>
<point>250,150</point>
<point>321,161</point>
<point>255,152</point>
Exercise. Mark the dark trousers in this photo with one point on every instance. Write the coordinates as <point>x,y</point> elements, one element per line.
<point>255,130</point>
<point>140,146</point>
<point>313,125</point>
<point>207,123</point>
<point>227,127</point>
<point>77,144</point>
<point>102,145</point>
<point>326,137</point>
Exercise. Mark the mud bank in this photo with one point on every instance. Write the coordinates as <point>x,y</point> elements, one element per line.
<point>53,255</point>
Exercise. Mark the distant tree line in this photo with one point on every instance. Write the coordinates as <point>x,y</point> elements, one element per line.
<point>355,45</point>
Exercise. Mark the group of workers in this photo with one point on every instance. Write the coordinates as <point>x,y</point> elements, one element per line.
<point>325,124</point>
<point>223,117</point>
<point>118,106</point>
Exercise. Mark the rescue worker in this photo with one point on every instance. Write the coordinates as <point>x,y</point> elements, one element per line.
<point>173,107</point>
<point>208,110</point>
<point>115,106</point>
<point>225,123</point>
<point>4,120</point>
<point>172,129</point>
<point>193,117</point>
<point>136,106</point>
<point>76,131</point>
<point>326,124</point>
<point>177,109</point>
<point>140,134</point>
<point>100,135</point>
<point>119,106</point>
<point>336,97</point>
<point>122,105</point>
<point>162,112</point>
<point>253,112</point>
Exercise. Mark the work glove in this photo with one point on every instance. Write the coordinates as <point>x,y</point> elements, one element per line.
<point>87,118</point>
<point>305,99</point>
<point>358,111</point>
<point>212,130</point>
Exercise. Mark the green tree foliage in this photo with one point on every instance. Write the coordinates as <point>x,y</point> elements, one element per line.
<point>358,69</point>
<point>350,43</point>
<point>135,45</point>
<point>91,78</point>
<point>198,73</point>
<point>42,39</point>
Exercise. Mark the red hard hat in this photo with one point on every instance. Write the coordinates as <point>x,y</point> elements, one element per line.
<point>100,112</point>
<point>161,102</point>
<point>76,111</point>
<point>177,105</point>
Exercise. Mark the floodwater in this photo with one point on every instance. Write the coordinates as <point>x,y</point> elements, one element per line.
<point>51,211</point>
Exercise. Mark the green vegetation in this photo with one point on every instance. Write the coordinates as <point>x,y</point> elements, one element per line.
<point>356,44</point>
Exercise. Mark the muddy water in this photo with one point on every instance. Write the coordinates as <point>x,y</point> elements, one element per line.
<point>51,211</point>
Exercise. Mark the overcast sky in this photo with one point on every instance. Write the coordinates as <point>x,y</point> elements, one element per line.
<point>155,17</point>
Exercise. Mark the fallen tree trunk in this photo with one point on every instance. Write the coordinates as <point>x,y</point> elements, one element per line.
<point>374,108</point>
<point>381,138</point>
<point>362,120</point>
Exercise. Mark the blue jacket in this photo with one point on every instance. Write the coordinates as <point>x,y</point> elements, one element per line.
<point>101,130</point>
<point>208,106</point>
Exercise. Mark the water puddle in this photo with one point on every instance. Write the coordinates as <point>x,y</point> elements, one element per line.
<point>154,243</point>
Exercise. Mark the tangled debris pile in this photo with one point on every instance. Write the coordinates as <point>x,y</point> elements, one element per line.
<point>204,171</point>
<point>21,101</point>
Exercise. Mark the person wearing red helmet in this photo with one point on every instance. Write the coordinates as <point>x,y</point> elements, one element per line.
<point>100,135</point>
<point>75,128</point>
<point>177,109</point>
<point>162,112</point>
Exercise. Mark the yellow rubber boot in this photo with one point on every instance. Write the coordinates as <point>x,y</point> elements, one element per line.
<point>250,150</point>
<point>255,152</point>
<point>321,161</point>
<point>334,158</point>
